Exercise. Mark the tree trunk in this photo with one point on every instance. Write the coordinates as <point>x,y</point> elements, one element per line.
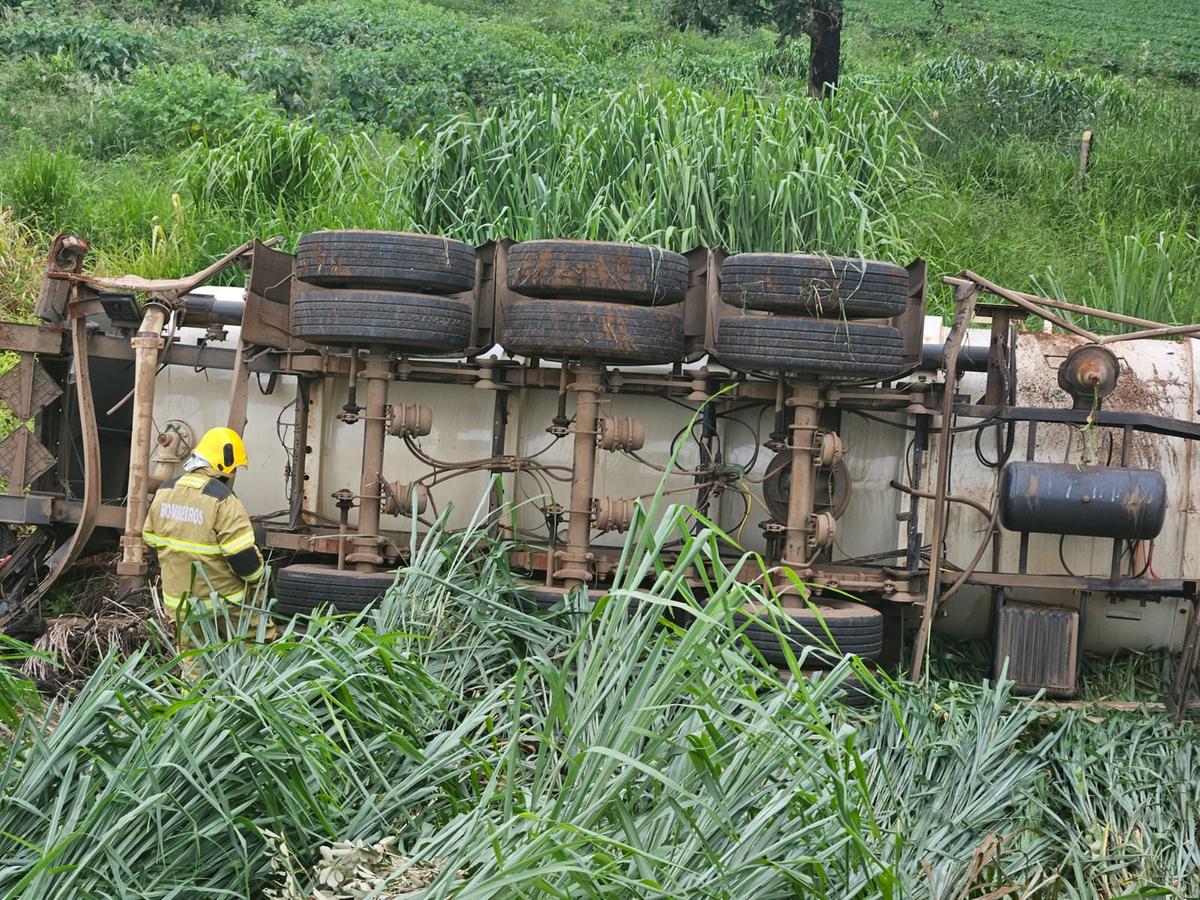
<point>825,33</point>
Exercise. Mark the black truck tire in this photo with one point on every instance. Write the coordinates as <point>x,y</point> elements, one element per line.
<point>578,329</point>
<point>817,346</point>
<point>347,316</point>
<point>389,260</point>
<point>540,598</point>
<point>855,628</point>
<point>302,589</point>
<point>596,270</point>
<point>820,286</point>
<point>851,692</point>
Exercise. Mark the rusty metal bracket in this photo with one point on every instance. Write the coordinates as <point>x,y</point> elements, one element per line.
<point>965,299</point>
<point>90,439</point>
<point>169,288</point>
<point>1176,698</point>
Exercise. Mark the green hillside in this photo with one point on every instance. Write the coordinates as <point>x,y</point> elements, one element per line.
<point>167,133</point>
<point>448,744</point>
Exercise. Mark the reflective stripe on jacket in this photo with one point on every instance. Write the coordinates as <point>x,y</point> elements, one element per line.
<point>196,521</point>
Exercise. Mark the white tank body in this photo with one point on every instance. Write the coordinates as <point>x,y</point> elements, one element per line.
<point>1157,377</point>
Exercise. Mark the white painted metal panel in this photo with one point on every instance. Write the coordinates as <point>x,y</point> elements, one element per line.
<point>1158,377</point>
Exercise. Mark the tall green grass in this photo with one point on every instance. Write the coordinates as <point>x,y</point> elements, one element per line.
<point>600,751</point>
<point>956,156</point>
<point>42,187</point>
<point>1146,275</point>
<point>668,166</point>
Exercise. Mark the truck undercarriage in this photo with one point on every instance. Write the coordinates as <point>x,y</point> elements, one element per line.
<point>1035,487</point>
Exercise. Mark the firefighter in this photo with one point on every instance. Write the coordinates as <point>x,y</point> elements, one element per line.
<point>204,539</point>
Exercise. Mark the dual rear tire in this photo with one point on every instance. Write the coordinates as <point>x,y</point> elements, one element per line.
<point>591,300</point>
<point>798,311</point>
<point>383,288</point>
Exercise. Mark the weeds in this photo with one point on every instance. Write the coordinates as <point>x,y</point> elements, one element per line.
<point>172,107</point>
<point>99,48</point>
<point>41,187</point>
<point>609,750</point>
<point>487,121</point>
<point>1146,276</point>
<point>1008,98</point>
<point>669,167</point>
<point>21,261</point>
<point>273,165</point>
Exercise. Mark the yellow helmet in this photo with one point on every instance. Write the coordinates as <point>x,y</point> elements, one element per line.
<point>223,449</point>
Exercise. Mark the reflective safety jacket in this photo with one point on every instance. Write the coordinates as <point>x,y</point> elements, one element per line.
<point>196,519</point>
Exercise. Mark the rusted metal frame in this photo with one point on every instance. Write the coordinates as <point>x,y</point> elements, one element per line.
<point>860,580</point>
<point>90,440</point>
<point>912,559</point>
<point>1020,301</point>
<point>106,346</point>
<point>1118,544</point>
<point>1001,389</point>
<point>708,434</point>
<point>344,506</point>
<point>1176,698</point>
<point>604,560</point>
<point>377,372</point>
<point>54,509</point>
<point>805,402</point>
<point>28,509</point>
<point>325,541</point>
<point>499,439</point>
<point>999,357</point>
<point>65,258</point>
<point>239,391</point>
<point>911,322</point>
<point>483,293</point>
<point>50,340</point>
<point>299,475</point>
<point>576,559</point>
<point>1166,587</point>
<point>836,396</point>
<point>169,287</point>
<point>965,299</point>
<point>22,435</point>
<point>147,344</point>
<point>515,377</point>
<point>1103,418</point>
<point>1067,307</point>
<point>1157,332</point>
<point>704,309</point>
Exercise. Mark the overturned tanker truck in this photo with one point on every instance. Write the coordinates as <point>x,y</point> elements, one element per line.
<point>1031,485</point>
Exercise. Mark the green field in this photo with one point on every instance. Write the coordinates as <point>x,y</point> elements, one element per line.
<point>1155,38</point>
<point>513,756</point>
<point>167,136</point>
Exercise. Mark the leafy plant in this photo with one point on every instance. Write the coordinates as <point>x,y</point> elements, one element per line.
<point>100,48</point>
<point>173,106</point>
<point>670,167</point>
<point>20,270</point>
<point>1145,275</point>
<point>631,747</point>
<point>278,71</point>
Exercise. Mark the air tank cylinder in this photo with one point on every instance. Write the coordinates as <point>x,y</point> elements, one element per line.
<point>1093,501</point>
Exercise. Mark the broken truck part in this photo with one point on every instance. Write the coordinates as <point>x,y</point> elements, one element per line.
<point>806,404</point>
